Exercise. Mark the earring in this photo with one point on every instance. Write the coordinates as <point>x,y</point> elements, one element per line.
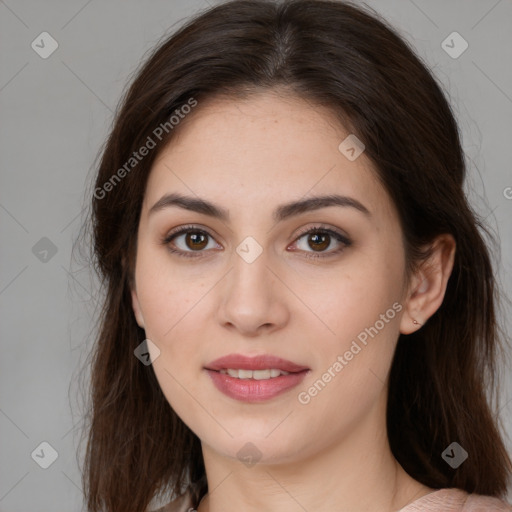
<point>415,322</point>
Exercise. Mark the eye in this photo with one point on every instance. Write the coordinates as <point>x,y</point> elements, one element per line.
<point>319,239</point>
<point>189,240</point>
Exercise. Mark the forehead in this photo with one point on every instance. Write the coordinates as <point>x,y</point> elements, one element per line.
<point>260,150</point>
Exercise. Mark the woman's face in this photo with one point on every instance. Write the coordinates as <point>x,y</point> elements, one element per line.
<point>259,281</point>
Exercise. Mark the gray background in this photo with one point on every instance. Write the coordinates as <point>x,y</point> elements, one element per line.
<point>55,113</point>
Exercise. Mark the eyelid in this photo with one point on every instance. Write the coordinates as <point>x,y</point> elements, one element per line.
<point>187,227</point>
<point>323,228</point>
<point>340,237</point>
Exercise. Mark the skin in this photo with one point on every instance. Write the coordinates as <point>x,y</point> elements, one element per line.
<point>249,156</point>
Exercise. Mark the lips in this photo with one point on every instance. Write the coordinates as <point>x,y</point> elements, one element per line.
<point>258,389</point>
<point>262,362</point>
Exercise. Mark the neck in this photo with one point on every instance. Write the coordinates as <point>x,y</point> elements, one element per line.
<point>357,474</point>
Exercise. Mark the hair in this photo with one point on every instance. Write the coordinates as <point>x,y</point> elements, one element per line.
<point>346,58</point>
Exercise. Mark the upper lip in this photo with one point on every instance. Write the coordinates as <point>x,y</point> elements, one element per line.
<point>260,362</point>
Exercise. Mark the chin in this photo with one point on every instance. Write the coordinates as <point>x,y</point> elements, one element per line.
<point>251,449</point>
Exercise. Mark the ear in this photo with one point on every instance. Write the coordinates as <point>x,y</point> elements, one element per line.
<point>428,285</point>
<point>136,309</point>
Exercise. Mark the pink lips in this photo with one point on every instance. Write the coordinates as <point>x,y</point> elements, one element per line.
<point>251,390</point>
<point>241,362</point>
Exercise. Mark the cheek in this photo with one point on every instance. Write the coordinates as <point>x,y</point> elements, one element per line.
<point>353,363</point>
<point>166,293</point>
<point>171,319</point>
<point>171,307</point>
<point>345,303</point>
<point>357,314</point>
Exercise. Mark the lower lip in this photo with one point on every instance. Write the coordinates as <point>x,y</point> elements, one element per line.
<point>251,390</point>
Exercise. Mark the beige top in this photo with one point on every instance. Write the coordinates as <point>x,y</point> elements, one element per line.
<point>442,500</point>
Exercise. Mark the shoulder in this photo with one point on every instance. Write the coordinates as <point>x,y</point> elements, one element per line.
<point>456,500</point>
<point>180,504</point>
<point>478,503</point>
<point>443,500</point>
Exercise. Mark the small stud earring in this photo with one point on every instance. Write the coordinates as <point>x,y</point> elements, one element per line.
<point>415,322</point>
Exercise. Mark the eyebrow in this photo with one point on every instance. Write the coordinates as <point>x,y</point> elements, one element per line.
<point>281,213</point>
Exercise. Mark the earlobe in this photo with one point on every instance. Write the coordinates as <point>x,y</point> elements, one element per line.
<point>428,286</point>
<point>136,309</point>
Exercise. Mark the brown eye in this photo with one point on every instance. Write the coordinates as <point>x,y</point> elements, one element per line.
<point>189,241</point>
<point>196,240</point>
<point>319,241</point>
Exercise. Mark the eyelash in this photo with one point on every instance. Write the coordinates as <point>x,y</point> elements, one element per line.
<point>346,242</point>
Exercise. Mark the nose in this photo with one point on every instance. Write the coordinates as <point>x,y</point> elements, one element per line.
<point>252,298</point>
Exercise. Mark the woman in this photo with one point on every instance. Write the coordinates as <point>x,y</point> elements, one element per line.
<point>300,307</point>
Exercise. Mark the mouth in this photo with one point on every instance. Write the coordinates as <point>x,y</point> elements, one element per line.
<point>271,373</point>
<point>254,379</point>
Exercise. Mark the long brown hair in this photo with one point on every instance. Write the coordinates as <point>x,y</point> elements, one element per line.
<point>345,57</point>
